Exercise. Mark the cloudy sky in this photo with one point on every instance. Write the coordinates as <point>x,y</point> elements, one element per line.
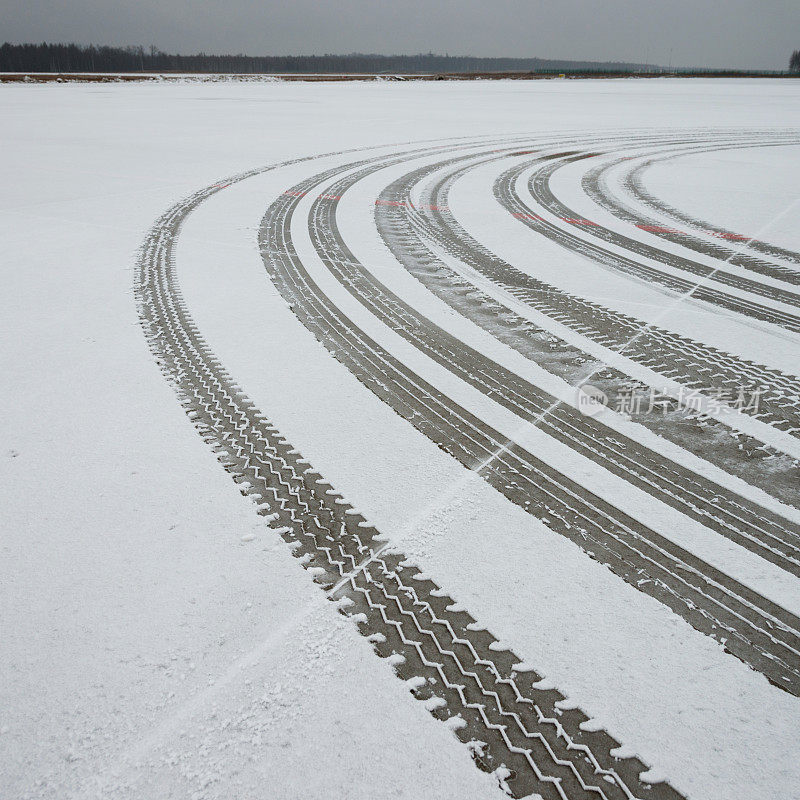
<point>714,33</point>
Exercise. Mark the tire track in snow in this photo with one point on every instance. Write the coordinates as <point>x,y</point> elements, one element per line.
<point>595,184</point>
<point>628,266</point>
<point>541,189</point>
<point>516,728</point>
<point>760,633</point>
<point>693,364</point>
<point>414,236</point>
<point>634,183</point>
<point>720,509</point>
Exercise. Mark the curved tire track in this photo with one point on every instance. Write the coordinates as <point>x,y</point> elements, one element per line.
<point>409,233</point>
<point>541,190</point>
<point>695,365</point>
<point>758,632</point>
<point>628,266</point>
<point>635,185</point>
<point>452,662</point>
<point>748,524</point>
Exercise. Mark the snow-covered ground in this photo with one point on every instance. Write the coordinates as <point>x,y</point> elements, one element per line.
<point>752,193</point>
<point>157,639</point>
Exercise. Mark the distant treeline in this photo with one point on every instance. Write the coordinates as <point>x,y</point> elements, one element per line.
<point>76,58</point>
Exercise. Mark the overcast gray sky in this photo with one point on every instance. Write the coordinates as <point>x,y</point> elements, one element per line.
<point>716,33</point>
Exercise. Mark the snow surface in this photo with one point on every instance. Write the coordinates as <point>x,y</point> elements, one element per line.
<point>753,193</point>
<point>150,647</point>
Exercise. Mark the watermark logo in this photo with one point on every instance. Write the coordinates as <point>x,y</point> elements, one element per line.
<point>711,401</point>
<point>637,399</point>
<point>591,400</point>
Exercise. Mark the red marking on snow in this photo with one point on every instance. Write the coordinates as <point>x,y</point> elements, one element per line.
<point>221,185</point>
<point>330,197</point>
<point>735,236</point>
<point>738,237</point>
<point>657,229</point>
<point>296,194</point>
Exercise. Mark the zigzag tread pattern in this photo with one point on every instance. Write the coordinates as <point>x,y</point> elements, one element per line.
<point>750,627</point>
<point>453,664</point>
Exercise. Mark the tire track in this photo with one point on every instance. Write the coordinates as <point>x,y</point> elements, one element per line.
<point>455,666</point>
<point>618,263</point>
<point>407,232</point>
<point>540,186</point>
<point>749,525</point>
<point>693,364</point>
<point>635,185</point>
<point>756,631</point>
